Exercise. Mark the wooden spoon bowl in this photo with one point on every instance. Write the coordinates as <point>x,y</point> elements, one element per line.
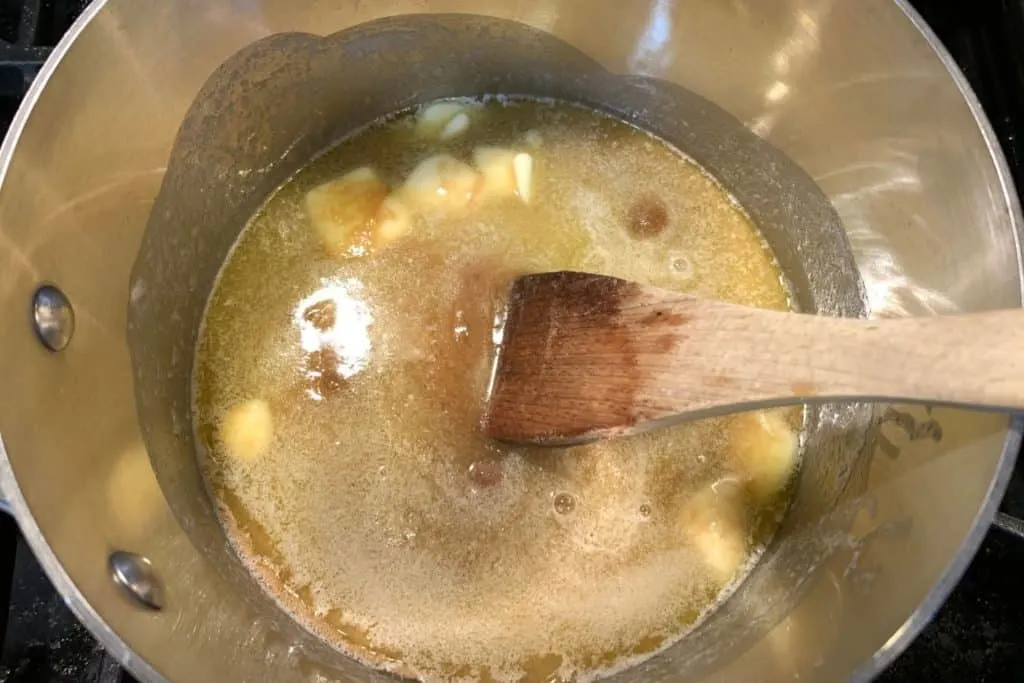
<point>586,357</point>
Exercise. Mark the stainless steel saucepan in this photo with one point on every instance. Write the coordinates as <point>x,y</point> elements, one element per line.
<point>157,128</point>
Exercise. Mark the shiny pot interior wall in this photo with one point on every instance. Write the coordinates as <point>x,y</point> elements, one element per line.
<point>246,118</point>
<point>852,92</point>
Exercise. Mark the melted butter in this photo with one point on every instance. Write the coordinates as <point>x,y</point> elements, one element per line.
<point>379,516</point>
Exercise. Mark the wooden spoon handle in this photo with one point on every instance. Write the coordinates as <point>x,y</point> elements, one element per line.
<point>762,356</point>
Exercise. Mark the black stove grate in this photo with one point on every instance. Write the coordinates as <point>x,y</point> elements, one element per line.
<point>29,29</point>
<point>987,41</point>
<point>43,642</point>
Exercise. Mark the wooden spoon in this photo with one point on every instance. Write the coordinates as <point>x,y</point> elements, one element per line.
<point>586,357</point>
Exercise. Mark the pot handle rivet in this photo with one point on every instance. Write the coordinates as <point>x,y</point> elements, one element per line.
<point>135,575</point>
<point>52,317</point>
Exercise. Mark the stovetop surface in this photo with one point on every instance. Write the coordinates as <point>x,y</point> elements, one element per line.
<point>978,635</point>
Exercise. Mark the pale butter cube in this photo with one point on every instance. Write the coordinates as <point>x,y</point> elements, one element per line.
<point>440,182</point>
<point>442,120</point>
<point>343,211</point>
<point>247,429</point>
<point>495,165</point>
<point>394,221</point>
<point>763,448</point>
<point>715,521</point>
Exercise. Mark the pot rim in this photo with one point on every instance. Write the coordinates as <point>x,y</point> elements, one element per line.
<point>9,488</point>
<point>13,501</point>
<point>934,599</point>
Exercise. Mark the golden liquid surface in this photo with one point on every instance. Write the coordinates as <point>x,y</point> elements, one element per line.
<point>379,516</point>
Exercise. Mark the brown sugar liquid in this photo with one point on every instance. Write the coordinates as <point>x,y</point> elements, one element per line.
<point>378,514</point>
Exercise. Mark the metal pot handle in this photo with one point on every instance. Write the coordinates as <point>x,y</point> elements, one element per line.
<point>53,321</point>
<point>1009,524</point>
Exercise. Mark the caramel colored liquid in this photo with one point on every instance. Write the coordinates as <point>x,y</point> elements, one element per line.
<point>379,516</point>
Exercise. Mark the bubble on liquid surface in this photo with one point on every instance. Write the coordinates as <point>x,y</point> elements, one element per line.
<point>681,266</point>
<point>564,503</point>
<point>485,474</point>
